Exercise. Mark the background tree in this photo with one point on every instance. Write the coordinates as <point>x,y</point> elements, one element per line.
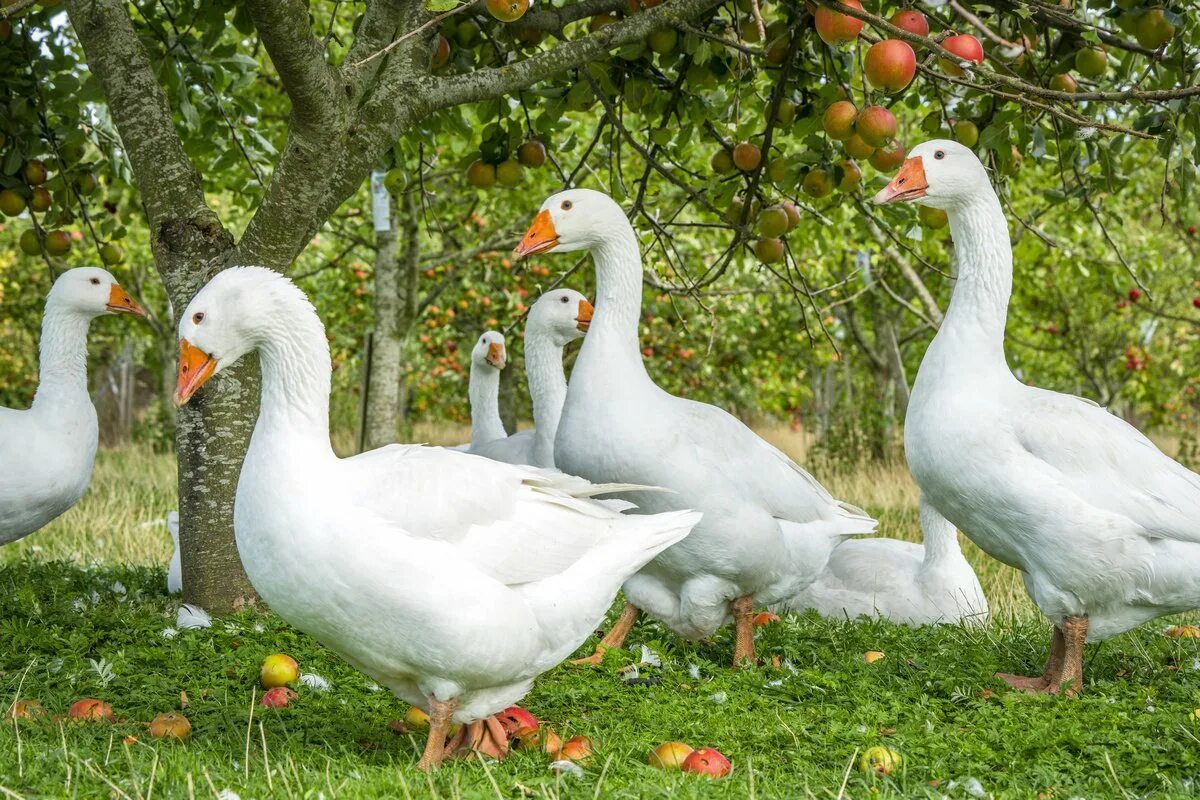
<point>708,121</point>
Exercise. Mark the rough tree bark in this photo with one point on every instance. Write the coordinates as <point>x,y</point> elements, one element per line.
<point>343,119</point>
<point>397,259</point>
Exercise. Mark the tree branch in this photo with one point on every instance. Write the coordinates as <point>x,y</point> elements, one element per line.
<point>497,81</point>
<point>299,59</point>
<point>552,20</point>
<point>170,185</point>
<point>1016,84</point>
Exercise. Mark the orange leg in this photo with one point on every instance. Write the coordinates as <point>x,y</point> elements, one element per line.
<point>1052,670</point>
<point>439,726</point>
<point>1064,668</point>
<point>484,736</point>
<point>1070,679</point>
<point>615,637</point>
<point>743,642</point>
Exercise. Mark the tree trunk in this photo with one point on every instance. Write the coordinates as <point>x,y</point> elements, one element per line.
<point>212,432</point>
<point>395,292</point>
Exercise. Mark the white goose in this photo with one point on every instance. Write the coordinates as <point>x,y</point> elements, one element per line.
<point>768,525</point>
<point>558,318</point>
<point>912,584</point>
<point>46,451</point>
<point>364,553</point>
<point>1104,528</point>
<point>488,357</point>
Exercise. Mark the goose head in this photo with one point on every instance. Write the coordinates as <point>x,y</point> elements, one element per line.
<point>233,314</point>
<point>92,292</point>
<point>938,173</point>
<point>577,219</point>
<point>562,315</point>
<point>489,351</point>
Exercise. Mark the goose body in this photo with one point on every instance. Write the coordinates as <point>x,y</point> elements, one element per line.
<point>556,319</point>
<point>768,526</point>
<point>1103,526</point>
<point>451,579</point>
<point>47,450</point>
<point>911,584</point>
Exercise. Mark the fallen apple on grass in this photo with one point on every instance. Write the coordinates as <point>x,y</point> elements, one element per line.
<point>669,756</point>
<point>278,697</point>
<point>879,761</point>
<point>1183,632</point>
<point>542,739</point>
<point>91,710</point>
<point>707,762</point>
<point>278,670</point>
<point>171,725</point>
<point>416,719</point>
<point>577,748</point>
<point>514,719</point>
<point>26,709</point>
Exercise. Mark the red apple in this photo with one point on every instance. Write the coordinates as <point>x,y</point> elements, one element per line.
<point>876,125</point>
<point>1135,294</point>
<point>171,725</point>
<point>91,710</point>
<point>836,28</point>
<point>707,762</point>
<point>278,670</point>
<point>278,697</point>
<point>669,756</point>
<point>890,65</point>
<point>966,47</point>
<point>911,20</point>
<point>515,718</point>
<point>838,120</point>
<point>886,159</point>
<point>577,748</point>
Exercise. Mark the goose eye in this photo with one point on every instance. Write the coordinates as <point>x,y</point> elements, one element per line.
<point>565,300</point>
<point>939,155</point>
<point>198,317</point>
<point>95,281</point>
<point>566,205</point>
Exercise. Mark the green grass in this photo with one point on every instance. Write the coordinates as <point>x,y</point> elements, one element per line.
<point>791,732</point>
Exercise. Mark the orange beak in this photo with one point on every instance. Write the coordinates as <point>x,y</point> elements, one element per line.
<point>540,238</point>
<point>495,355</point>
<point>119,302</point>
<point>195,368</point>
<point>909,183</point>
<point>584,318</point>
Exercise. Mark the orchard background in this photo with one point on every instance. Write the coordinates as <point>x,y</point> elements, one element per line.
<point>171,139</point>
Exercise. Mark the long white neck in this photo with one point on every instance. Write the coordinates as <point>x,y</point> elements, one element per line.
<point>547,390</point>
<point>62,372</point>
<point>613,335</point>
<point>940,536</point>
<point>296,370</point>
<point>979,304</point>
<point>484,391</point>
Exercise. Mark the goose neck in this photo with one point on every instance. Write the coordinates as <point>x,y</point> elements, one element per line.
<point>940,536</point>
<point>62,358</point>
<point>547,391</point>
<point>296,370</point>
<point>983,285</point>
<point>484,391</point>
<point>618,294</point>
